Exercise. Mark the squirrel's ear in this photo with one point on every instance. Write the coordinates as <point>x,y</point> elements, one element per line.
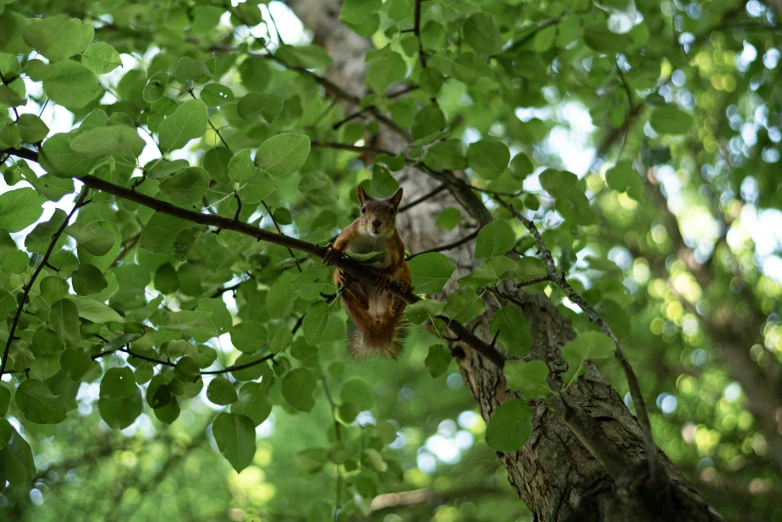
<point>362,196</point>
<point>396,198</point>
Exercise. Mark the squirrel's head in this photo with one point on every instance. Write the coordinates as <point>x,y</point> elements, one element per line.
<point>378,216</point>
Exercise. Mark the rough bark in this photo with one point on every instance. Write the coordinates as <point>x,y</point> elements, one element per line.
<point>554,473</point>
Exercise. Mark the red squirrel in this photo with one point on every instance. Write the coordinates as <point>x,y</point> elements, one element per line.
<point>377,313</point>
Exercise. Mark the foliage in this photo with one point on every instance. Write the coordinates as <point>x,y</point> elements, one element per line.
<point>134,333</point>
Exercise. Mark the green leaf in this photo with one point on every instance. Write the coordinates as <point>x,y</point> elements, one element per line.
<point>64,318</point>
<point>437,360</point>
<point>521,166</point>
<point>385,68</point>
<point>445,155</point>
<point>31,128</point>
<point>488,158</point>
<point>103,141</point>
<point>14,262</point>
<point>188,122</point>
<point>92,237</point>
<point>16,457</point>
<point>318,189</point>
<point>448,218</point>
<point>599,38</point>
<point>75,363</point>
<point>669,119</point>
<point>427,121</point>
<point>160,233</point>
<point>71,85</point>
<point>492,271</point>
<point>186,187</point>
<point>464,305</point>
<point>5,401</point>
<point>368,257</point>
<point>430,272</point>
<point>38,404</point>
<point>118,383</point>
<point>156,87</point>
<point>514,335</point>
<point>495,239</point>
<point>588,345</point>
<point>431,81</point>
<point>248,336</point>
<point>187,369</point>
<point>101,58</point>
<point>315,322</point>
<point>481,32</point>
<point>298,387</point>
<point>216,94</point>
<point>623,177</point>
<point>46,342</point>
<point>470,68</point>
<point>529,268</point>
<point>58,37</point>
<point>509,426</point>
<point>544,39</point>
<point>357,11</point>
<point>283,154</point>
<point>259,106</point>
<point>88,280</point>
<point>424,310</point>
<point>311,460</point>
<point>19,209</point>
<point>616,317</point>
<point>528,378</point>
<point>12,27</point>
<point>40,238</point>
<point>188,69</point>
<point>60,160</point>
<point>253,401</point>
<point>95,311</point>
<point>221,392</point>
<point>216,162</point>
<point>358,392</point>
<point>121,413</point>
<point>307,56</point>
<point>235,437</point>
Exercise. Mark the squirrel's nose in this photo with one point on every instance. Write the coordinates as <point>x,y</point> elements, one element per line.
<point>376,223</point>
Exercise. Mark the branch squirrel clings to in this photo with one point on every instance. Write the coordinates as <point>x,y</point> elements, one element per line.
<point>377,313</point>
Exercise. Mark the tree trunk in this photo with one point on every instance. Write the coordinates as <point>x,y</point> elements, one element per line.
<point>558,478</point>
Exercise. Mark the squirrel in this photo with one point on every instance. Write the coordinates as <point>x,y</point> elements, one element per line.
<point>376,312</point>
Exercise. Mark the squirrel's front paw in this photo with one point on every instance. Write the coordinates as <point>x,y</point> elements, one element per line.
<point>382,282</point>
<point>404,286</point>
<point>332,255</point>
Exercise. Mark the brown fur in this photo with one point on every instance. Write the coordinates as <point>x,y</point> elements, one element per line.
<point>377,314</point>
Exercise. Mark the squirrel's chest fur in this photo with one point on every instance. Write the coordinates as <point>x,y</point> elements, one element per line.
<point>364,244</point>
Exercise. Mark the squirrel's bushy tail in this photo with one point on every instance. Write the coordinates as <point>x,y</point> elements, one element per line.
<point>383,340</point>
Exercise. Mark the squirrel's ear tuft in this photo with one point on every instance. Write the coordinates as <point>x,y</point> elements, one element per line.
<point>362,195</point>
<point>396,198</point>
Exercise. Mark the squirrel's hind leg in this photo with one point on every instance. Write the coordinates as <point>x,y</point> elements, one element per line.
<point>352,287</point>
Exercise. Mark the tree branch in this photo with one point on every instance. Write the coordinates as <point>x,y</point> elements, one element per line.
<point>44,262</point>
<point>632,380</point>
<point>357,270</point>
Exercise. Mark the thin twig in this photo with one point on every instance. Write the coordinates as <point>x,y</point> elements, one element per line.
<point>80,202</point>
<point>449,246</point>
<point>429,195</point>
<point>533,281</point>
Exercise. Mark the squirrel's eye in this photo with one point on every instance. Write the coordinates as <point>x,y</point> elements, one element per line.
<point>393,211</point>
<point>363,209</point>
